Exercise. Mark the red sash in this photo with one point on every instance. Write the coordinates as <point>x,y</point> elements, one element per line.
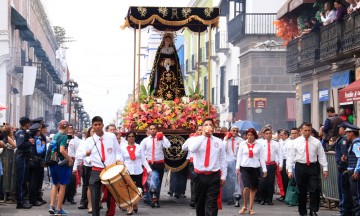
<point>250,147</point>
<point>131,150</point>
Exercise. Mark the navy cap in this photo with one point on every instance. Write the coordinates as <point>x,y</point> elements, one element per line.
<point>35,127</point>
<point>24,120</point>
<point>351,127</point>
<point>37,120</point>
<point>344,125</point>
<point>45,125</point>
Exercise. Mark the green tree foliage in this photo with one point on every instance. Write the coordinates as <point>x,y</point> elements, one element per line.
<point>61,38</point>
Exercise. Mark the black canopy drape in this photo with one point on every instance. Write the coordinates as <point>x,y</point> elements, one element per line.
<point>196,19</point>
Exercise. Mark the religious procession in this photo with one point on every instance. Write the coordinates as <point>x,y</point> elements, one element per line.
<point>232,108</point>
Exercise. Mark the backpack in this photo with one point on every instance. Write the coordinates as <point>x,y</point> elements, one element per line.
<point>52,152</point>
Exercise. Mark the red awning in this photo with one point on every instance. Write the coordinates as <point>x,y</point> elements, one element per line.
<point>291,109</point>
<point>350,93</point>
<point>241,113</point>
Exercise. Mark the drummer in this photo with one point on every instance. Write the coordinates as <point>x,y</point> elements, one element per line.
<point>134,159</point>
<point>153,146</point>
<point>103,149</point>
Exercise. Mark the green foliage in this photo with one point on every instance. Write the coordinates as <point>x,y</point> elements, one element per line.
<point>61,38</point>
<point>196,94</point>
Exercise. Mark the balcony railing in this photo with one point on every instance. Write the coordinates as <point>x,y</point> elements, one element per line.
<point>221,43</point>
<point>250,24</point>
<point>334,42</point>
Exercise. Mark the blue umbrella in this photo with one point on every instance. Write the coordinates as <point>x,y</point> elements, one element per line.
<point>244,125</point>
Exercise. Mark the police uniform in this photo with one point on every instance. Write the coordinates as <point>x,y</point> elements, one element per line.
<point>341,147</point>
<point>354,167</point>
<point>22,162</point>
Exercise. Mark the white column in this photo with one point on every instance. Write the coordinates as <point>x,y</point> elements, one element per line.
<point>4,55</point>
<point>315,104</point>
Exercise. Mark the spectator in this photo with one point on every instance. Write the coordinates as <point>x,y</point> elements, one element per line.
<point>330,126</point>
<point>315,25</point>
<point>340,11</point>
<point>352,7</point>
<point>329,15</point>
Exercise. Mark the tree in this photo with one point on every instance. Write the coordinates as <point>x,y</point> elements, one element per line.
<point>61,38</point>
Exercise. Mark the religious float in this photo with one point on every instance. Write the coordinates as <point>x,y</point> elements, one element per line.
<point>164,102</point>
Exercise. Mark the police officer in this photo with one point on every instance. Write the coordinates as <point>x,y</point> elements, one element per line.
<point>40,157</point>
<point>23,144</point>
<point>36,166</point>
<point>341,147</point>
<point>353,167</point>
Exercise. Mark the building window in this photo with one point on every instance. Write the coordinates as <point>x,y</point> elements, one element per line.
<point>236,7</point>
<point>222,84</point>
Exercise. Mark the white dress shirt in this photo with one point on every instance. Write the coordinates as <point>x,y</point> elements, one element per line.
<point>80,155</point>
<point>185,147</point>
<point>134,166</point>
<point>146,145</point>
<point>217,155</point>
<point>297,153</point>
<point>230,153</point>
<point>285,146</point>
<point>256,161</point>
<point>329,18</point>
<point>111,147</point>
<point>73,146</point>
<point>275,151</point>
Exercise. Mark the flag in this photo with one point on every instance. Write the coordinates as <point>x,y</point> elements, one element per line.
<point>57,99</point>
<point>29,79</point>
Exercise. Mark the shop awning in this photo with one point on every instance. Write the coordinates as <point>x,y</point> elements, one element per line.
<point>340,79</point>
<point>241,113</point>
<point>350,93</point>
<point>291,109</point>
<point>196,19</point>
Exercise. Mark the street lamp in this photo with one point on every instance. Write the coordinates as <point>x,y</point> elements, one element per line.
<point>70,86</point>
<point>77,102</point>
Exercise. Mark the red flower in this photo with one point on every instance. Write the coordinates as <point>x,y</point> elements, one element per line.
<point>177,100</point>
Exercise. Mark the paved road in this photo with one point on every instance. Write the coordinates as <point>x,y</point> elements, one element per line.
<point>169,206</point>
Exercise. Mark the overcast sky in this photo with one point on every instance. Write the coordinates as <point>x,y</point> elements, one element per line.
<point>101,59</point>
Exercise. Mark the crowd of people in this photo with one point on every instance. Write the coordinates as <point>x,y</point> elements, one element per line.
<point>243,165</point>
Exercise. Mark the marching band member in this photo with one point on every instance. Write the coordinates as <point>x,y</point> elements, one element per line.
<point>249,159</point>
<point>231,142</point>
<point>103,150</point>
<point>185,147</point>
<point>134,159</point>
<point>153,146</point>
<point>273,157</point>
<point>209,163</point>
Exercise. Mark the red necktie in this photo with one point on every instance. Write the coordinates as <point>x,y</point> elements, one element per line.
<point>232,144</point>
<point>153,150</point>
<point>250,147</point>
<point>269,153</point>
<point>131,150</point>
<point>307,153</point>
<point>207,153</point>
<point>102,150</point>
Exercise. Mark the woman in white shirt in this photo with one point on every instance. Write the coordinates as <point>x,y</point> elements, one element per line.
<point>249,159</point>
<point>329,15</point>
<point>134,159</point>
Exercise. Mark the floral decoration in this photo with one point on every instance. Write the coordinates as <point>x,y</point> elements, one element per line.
<point>184,113</point>
<point>287,29</point>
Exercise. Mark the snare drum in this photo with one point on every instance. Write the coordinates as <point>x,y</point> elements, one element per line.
<point>123,189</point>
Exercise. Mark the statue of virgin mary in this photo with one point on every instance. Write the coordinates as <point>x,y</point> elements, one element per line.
<point>166,79</point>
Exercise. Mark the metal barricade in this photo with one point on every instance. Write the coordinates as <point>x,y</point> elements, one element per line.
<point>9,172</point>
<point>330,185</point>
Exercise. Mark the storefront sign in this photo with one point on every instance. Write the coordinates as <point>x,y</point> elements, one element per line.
<point>323,94</point>
<point>306,98</point>
<point>260,102</point>
<point>350,93</point>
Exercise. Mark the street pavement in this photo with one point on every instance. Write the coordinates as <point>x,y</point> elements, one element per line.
<point>169,206</point>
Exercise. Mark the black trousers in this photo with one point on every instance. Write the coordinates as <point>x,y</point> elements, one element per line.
<point>35,182</point>
<point>192,185</point>
<point>86,172</point>
<point>307,180</point>
<point>95,191</point>
<point>137,180</point>
<point>284,176</point>
<point>355,192</point>
<point>22,172</point>
<point>70,190</point>
<point>346,196</point>
<point>266,184</point>
<point>207,188</point>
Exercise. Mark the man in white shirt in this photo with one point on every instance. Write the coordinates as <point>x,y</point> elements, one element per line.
<point>306,153</point>
<point>209,163</point>
<point>74,142</point>
<point>103,150</point>
<point>231,142</point>
<point>185,147</point>
<point>285,143</point>
<point>153,146</point>
<point>273,157</point>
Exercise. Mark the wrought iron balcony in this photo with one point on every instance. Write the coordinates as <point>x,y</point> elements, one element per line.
<point>292,56</point>
<point>329,41</point>
<point>310,49</point>
<point>250,24</point>
<point>221,44</point>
